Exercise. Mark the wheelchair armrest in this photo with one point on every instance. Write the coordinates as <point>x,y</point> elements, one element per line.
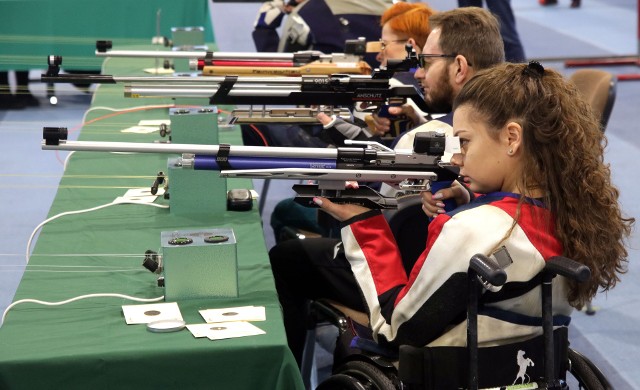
<point>322,310</point>
<point>488,269</point>
<point>559,265</point>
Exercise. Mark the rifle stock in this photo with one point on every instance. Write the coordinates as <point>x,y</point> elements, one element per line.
<point>314,68</point>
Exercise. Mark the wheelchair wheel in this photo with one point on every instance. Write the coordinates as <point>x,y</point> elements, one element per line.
<point>358,375</point>
<point>589,376</point>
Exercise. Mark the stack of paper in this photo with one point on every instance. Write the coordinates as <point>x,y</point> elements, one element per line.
<point>229,322</point>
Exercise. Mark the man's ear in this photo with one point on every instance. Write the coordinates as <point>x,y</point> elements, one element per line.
<point>464,72</point>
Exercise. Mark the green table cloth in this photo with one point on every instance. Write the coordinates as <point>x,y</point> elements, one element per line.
<point>86,344</point>
<point>31,30</point>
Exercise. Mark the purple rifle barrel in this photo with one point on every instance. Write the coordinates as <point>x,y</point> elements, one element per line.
<point>207,162</point>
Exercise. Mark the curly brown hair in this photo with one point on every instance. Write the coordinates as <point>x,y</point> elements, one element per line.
<point>564,158</point>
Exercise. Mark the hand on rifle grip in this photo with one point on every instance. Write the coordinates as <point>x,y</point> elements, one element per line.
<point>443,197</point>
<point>382,123</point>
<point>398,123</point>
<point>341,212</point>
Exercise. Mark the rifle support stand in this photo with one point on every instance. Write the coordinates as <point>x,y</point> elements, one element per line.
<point>199,264</point>
<point>194,125</point>
<point>195,192</point>
<point>186,39</point>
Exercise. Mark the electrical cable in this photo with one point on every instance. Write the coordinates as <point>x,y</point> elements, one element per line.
<point>84,211</point>
<point>120,111</point>
<point>113,295</point>
<point>255,129</point>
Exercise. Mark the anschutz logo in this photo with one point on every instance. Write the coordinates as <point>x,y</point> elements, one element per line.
<point>370,95</point>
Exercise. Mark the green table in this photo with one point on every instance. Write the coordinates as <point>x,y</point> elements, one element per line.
<point>31,30</point>
<point>86,344</point>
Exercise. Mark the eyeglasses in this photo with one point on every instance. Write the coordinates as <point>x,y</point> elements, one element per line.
<point>384,44</point>
<point>423,63</point>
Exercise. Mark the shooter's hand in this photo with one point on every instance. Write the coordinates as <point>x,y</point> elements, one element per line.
<point>433,204</point>
<point>341,212</point>
<point>324,119</point>
<point>383,124</point>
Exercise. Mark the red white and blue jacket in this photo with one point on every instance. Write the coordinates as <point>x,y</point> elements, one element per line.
<point>428,307</point>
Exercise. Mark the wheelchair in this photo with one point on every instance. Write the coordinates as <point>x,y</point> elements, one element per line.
<point>369,367</point>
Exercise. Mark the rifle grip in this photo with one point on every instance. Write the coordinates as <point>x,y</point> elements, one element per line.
<point>449,204</point>
<point>399,123</point>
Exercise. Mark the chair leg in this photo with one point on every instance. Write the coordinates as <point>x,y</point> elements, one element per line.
<point>263,195</point>
<point>590,310</point>
<point>307,368</point>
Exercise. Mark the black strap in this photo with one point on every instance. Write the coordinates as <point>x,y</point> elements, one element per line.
<point>225,86</point>
<point>223,157</point>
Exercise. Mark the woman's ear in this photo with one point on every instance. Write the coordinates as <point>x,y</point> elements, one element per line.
<point>414,45</point>
<point>513,137</point>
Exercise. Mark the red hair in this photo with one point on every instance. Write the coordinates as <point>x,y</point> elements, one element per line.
<point>411,19</point>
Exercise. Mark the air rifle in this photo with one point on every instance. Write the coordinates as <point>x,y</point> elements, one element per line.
<point>405,170</point>
<point>336,90</point>
<point>259,64</point>
<point>333,90</point>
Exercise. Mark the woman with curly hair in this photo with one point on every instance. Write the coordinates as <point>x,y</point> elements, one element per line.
<point>532,150</point>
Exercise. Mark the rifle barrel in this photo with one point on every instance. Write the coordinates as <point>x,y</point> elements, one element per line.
<point>201,54</point>
<point>247,151</point>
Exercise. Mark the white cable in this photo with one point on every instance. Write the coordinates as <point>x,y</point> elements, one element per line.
<point>114,295</point>
<point>75,255</point>
<point>150,106</point>
<point>80,212</point>
<point>110,271</point>
<point>66,161</point>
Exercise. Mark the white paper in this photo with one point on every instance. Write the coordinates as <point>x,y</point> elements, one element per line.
<point>452,145</point>
<point>143,314</point>
<point>243,313</point>
<point>140,129</point>
<point>141,195</point>
<point>135,193</point>
<point>224,330</point>
<point>158,70</point>
<point>154,122</point>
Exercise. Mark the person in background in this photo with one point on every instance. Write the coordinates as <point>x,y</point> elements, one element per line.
<point>513,50</point>
<point>404,27</point>
<point>574,3</point>
<point>319,25</point>
<point>402,24</point>
<point>462,42</point>
<point>322,25</point>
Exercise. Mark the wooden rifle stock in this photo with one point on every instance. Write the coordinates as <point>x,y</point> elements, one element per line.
<point>314,68</point>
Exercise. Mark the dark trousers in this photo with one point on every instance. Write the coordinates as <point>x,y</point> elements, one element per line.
<point>305,270</point>
<point>513,50</point>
